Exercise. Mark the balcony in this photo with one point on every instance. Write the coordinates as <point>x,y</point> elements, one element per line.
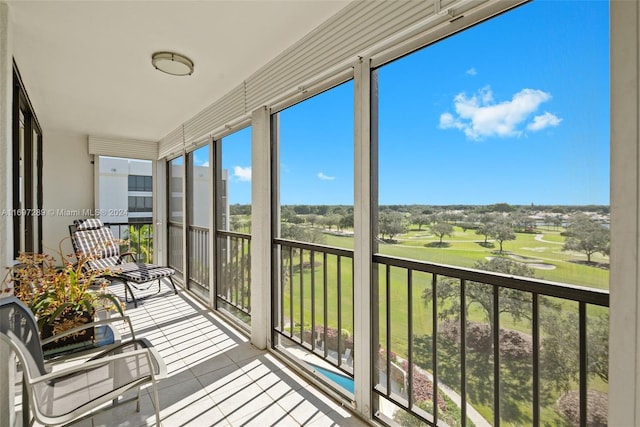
<point>420,337</point>
<point>65,151</point>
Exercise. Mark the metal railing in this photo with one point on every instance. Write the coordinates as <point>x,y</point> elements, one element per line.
<point>198,257</point>
<point>234,273</point>
<point>175,245</point>
<point>313,300</point>
<point>455,297</point>
<point>138,237</point>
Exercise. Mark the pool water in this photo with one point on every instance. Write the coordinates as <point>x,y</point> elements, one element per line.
<point>342,380</point>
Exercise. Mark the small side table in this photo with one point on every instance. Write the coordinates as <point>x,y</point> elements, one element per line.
<point>104,335</point>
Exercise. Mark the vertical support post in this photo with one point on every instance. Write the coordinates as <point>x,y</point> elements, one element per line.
<point>624,329</point>
<point>214,166</point>
<point>96,183</point>
<point>7,363</point>
<point>160,210</point>
<point>185,218</point>
<point>260,227</point>
<point>363,249</point>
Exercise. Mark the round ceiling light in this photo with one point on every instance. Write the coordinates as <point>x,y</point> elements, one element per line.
<point>172,63</point>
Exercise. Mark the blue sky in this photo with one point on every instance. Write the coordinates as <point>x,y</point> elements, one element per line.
<point>514,110</point>
<point>236,159</point>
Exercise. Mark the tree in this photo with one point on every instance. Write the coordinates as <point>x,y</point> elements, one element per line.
<point>301,234</point>
<point>502,231</point>
<point>442,229</point>
<point>391,223</point>
<point>312,219</point>
<point>523,222</point>
<point>514,302</point>
<point>238,209</point>
<point>420,220</point>
<point>559,357</point>
<point>322,209</point>
<point>556,220</point>
<point>515,348</point>
<point>235,223</point>
<point>502,207</point>
<point>326,221</point>
<point>331,220</point>
<point>346,221</point>
<point>287,212</point>
<point>485,230</point>
<point>485,225</point>
<point>296,219</point>
<point>302,209</point>
<point>141,241</point>
<point>586,235</point>
<point>470,222</point>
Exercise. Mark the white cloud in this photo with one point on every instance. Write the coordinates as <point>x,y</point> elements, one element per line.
<point>205,164</point>
<point>472,71</point>
<point>325,177</point>
<point>544,121</point>
<point>243,174</point>
<point>479,116</point>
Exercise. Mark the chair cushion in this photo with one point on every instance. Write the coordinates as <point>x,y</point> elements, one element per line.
<point>140,273</point>
<point>88,224</point>
<point>104,263</point>
<point>96,243</point>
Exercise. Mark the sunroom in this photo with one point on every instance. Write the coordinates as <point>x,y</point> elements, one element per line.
<point>393,203</point>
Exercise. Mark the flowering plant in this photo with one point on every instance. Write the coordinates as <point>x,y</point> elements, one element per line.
<point>60,296</point>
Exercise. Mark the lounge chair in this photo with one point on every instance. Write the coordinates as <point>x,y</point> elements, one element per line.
<point>94,240</point>
<point>79,391</point>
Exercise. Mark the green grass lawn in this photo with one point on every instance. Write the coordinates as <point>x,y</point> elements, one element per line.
<point>464,250</point>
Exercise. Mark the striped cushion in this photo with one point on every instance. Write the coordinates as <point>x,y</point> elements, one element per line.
<point>88,224</point>
<point>140,273</point>
<point>96,243</point>
<point>104,263</point>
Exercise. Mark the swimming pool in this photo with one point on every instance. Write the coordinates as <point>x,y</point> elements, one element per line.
<point>342,380</point>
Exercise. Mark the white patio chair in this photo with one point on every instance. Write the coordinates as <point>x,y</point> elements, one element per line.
<point>83,389</point>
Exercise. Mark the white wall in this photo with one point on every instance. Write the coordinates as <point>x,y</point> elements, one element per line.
<point>113,188</point>
<point>113,197</point>
<point>201,196</point>
<point>199,207</point>
<point>67,185</point>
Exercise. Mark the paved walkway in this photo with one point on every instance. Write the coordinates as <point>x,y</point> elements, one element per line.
<point>472,414</point>
<point>539,238</point>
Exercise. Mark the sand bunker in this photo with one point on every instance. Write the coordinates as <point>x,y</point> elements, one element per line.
<point>524,258</point>
<point>538,265</point>
<point>541,266</point>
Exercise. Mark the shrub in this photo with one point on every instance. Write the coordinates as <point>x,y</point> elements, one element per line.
<point>597,403</point>
<point>331,340</point>
<point>514,345</point>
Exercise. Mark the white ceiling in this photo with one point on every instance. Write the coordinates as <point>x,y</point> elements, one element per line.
<point>87,66</point>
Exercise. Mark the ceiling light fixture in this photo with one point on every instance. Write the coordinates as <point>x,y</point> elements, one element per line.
<point>172,63</point>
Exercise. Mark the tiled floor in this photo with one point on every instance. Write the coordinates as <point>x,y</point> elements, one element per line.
<point>216,377</point>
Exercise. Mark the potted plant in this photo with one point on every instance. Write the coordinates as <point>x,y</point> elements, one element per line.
<point>61,296</point>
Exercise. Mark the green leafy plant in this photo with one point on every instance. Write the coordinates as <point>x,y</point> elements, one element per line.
<point>62,294</point>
